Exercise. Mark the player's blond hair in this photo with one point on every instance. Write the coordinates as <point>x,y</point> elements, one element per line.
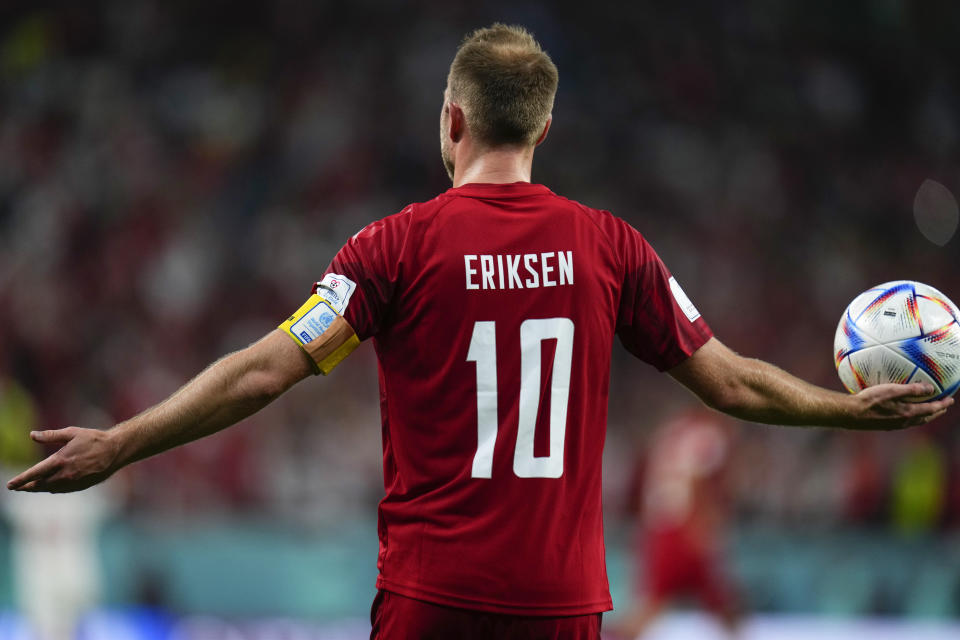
<point>505,83</point>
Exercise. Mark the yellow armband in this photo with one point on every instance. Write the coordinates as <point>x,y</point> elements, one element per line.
<point>322,333</point>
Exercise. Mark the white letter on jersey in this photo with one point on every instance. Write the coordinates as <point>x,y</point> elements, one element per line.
<point>470,272</point>
<point>486,271</point>
<point>534,281</point>
<point>513,271</point>
<point>547,269</point>
<point>566,267</point>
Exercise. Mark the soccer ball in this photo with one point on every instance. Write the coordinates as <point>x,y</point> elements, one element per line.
<point>900,331</point>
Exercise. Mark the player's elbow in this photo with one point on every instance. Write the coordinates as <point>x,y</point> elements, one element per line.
<point>727,397</point>
<point>718,376</point>
<point>266,369</point>
<point>260,387</point>
<point>731,391</point>
<point>256,381</point>
<point>732,400</point>
<point>738,393</point>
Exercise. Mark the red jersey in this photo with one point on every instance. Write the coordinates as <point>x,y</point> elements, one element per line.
<point>493,310</point>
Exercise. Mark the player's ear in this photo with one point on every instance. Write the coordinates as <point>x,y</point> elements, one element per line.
<point>543,134</point>
<point>458,122</point>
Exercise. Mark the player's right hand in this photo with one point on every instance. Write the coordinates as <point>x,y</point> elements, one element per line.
<point>85,458</point>
<point>896,406</point>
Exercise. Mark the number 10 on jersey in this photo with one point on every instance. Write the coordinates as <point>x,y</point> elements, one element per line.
<point>483,351</point>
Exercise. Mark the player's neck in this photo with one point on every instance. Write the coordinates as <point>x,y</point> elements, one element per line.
<point>494,166</point>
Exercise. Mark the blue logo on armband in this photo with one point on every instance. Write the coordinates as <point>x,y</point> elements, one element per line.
<point>314,322</point>
<point>326,319</point>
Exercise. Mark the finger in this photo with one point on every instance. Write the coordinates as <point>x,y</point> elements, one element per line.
<point>47,484</point>
<point>933,406</point>
<point>32,487</point>
<point>924,418</point>
<point>944,403</point>
<point>53,436</point>
<point>36,486</point>
<point>914,390</point>
<point>39,471</point>
<point>53,484</point>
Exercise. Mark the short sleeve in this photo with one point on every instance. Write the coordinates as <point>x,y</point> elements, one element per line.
<point>656,321</point>
<point>363,276</point>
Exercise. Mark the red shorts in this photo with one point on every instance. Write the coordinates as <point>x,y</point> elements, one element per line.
<point>397,617</point>
<point>676,567</point>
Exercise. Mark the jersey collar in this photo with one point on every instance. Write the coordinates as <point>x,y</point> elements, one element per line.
<point>491,190</point>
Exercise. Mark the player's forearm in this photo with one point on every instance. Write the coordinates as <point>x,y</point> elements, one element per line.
<point>217,398</point>
<point>761,392</point>
<point>214,400</point>
<point>228,391</point>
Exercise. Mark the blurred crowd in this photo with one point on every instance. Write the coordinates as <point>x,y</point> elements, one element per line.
<point>175,175</point>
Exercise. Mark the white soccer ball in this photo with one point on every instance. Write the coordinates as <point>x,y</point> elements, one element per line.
<point>900,331</point>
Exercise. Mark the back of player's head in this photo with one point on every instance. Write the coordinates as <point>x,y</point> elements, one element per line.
<point>505,83</point>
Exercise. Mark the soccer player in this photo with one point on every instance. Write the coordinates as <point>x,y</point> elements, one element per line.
<point>684,505</point>
<point>493,310</point>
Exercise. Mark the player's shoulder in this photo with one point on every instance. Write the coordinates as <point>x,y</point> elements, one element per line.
<point>598,215</point>
<point>399,221</point>
<point>614,228</point>
<point>391,234</point>
<point>412,213</point>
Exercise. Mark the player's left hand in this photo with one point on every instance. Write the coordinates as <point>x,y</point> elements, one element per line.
<point>896,406</point>
<point>85,458</point>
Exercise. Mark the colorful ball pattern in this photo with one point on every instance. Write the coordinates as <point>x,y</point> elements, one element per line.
<point>901,331</point>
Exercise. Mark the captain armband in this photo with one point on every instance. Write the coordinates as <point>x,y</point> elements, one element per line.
<point>322,333</point>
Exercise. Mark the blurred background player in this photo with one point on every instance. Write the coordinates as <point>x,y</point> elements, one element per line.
<point>55,566</point>
<point>681,496</point>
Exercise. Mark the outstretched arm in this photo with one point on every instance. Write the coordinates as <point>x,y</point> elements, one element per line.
<point>228,391</point>
<point>760,392</point>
